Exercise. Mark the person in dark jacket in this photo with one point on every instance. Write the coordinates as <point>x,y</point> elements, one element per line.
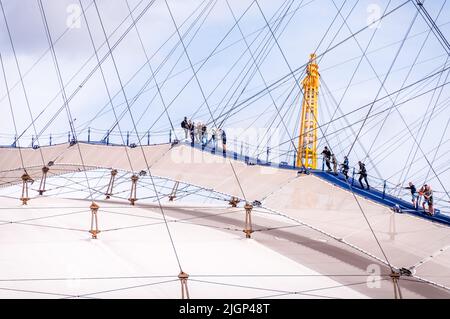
<point>224,141</point>
<point>185,127</point>
<point>414,194</point>
<point>327,157</point>
<point>345,167</point>
<point>191,130</point>
<point>363,175</point>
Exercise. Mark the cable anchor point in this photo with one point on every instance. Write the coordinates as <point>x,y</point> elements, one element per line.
<point>25,180</point>
<point>94,221</point>
<point>109,190</point>
<point>395,276</point>
<point>134,179</point>
<point>248,220</point>
<point>184,287</point>
<point>41,190</point>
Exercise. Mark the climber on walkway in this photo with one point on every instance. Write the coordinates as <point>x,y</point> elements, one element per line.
<point>204,135</point>
<point>327,156</point>
<point>224,141</point>
<point>414,194</point>
<point>214,132</point>
<point>428,199</point>
<point>345,167</point>
<point>191,130</point>
<point>335,164</point>
<point>185,127</point>
<point>363,175</point>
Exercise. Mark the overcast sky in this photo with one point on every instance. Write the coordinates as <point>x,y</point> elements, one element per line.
<point>301,31</point>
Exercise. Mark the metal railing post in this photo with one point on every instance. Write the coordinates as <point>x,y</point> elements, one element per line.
<point>148,137</point>
<point>50,141</point>
<point>170,136</point>
<point>128,138</point>
<point>68,137</point>
<point>89,134</point>
<point>32,140</point>
<point>384,189</point>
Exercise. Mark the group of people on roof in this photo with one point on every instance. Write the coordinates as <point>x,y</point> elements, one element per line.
<point>424,194</point>
<point>199,133</point>
<point>330,159</point>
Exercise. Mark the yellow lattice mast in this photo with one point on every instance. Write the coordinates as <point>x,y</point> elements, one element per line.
<point>307,142</point>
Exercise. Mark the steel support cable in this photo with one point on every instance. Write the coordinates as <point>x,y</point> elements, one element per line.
<point>423,153</point>
<point>228,114</point>
<point>205,12</point>
<point>300,68</point>
<point>380,99</point>
<point>432,24</point>
<point>36,62</point>
<point>376,125</point>
<point>145,9</point>
<point>364,55</point>
<point>104,80</point>
<point>356,199</point>
<point>417,90</point>
<point>386,150</point>
<point>364,106</point>
<point>437,149</point>
<point>196,63</point>
<point>192,77</point>
<point>426,166</point>
<point>349,60</point>
<point>135,128</point>
<point>259,70</point>
<point>429,119</point>
<point>338,109</point>
<point>265,85</point>
<point>264,49</point>
<point>320,42</point>
<point>169,76</point>
<point>403,83</point>
<point>410,159</point>
<point>24,91</point>
<point>151,69</point>
<point>102,111</point>
<point>69,81</point>
<point>337,136</point>
<point>243,71</point>
<point>11,108</point>
<point>190,62</point>
<point>63,91</point>
<point>384,81</point>
<point>197,80</point>
<point>373,51</point>
<point>374,115</point>
<point>258,94</point>
<point>86,79</point>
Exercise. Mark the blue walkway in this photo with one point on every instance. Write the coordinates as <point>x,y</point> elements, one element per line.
<point>372,194</point>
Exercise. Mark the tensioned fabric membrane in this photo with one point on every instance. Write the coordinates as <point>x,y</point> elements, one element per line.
<point>408,241</point>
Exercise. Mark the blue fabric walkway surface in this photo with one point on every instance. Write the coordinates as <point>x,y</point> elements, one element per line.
<point>372,194</point>
<point>377,196</point>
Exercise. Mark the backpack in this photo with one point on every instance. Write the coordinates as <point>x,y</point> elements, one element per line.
<point>183,124</point>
